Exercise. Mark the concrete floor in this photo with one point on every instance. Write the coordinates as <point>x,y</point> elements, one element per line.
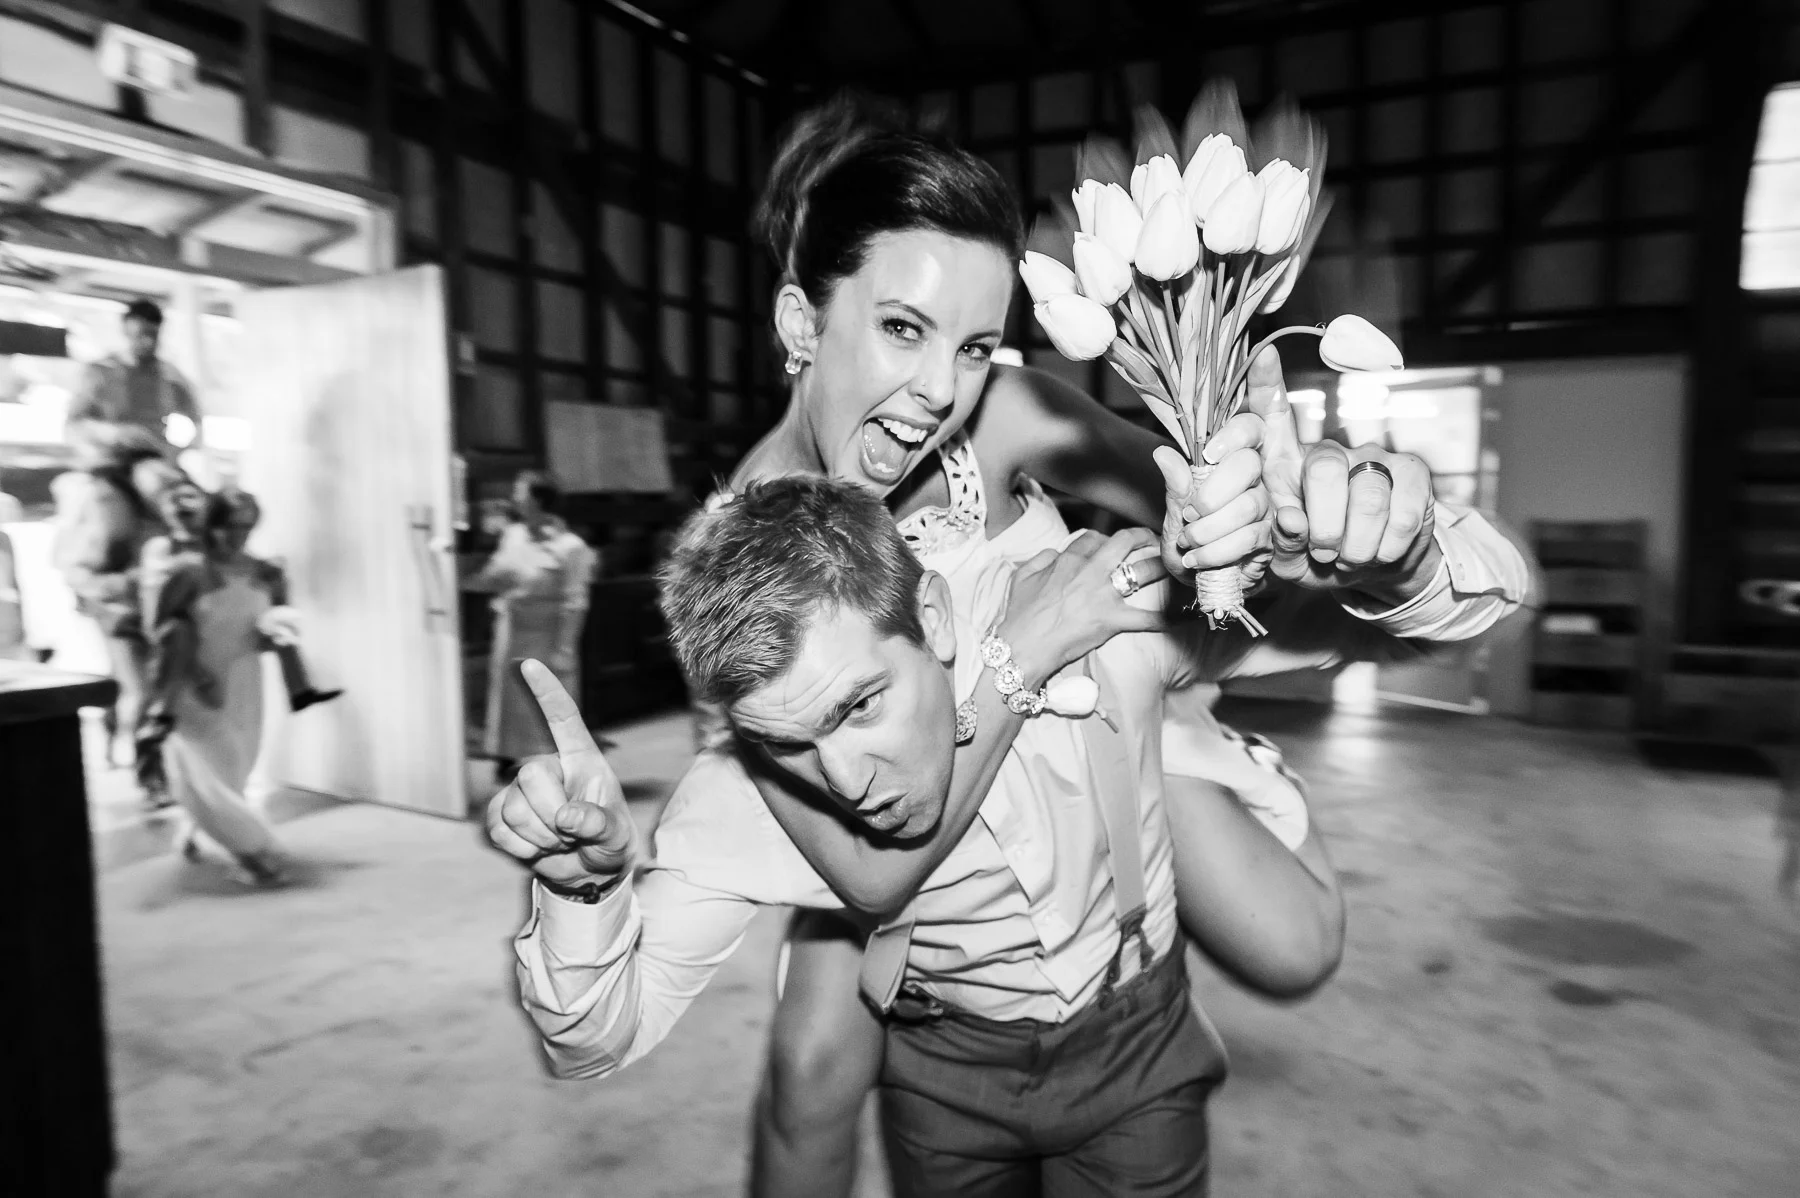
<point>1570,971</point>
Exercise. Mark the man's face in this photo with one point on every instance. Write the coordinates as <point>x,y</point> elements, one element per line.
<point>868,719</point>
<point>140,338</point>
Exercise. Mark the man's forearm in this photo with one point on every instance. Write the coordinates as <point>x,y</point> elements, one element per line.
<point>1272,918</point>
<point>577,976</point>
<point>606,982</point>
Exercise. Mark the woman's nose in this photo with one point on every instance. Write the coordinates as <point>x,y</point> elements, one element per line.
<point>935,384</point>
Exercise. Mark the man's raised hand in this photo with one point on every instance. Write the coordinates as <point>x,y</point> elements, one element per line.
<point>1370,533</point>
<point>565,815</point>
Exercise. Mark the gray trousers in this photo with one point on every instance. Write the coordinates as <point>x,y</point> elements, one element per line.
<point>1110,1103</point>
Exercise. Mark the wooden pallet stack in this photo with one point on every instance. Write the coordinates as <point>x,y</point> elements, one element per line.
<point>1587,656</point>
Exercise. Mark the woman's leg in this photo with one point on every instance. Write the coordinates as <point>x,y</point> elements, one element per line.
<point>824,1060</point>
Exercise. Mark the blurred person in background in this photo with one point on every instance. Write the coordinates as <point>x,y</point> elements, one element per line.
<point>103,521</point>
<point>540,576</point>
<point>13,646</point>
<point>174,572</point>
<point>207,596</point>
<point>12,611</point>
<point>135,389</point>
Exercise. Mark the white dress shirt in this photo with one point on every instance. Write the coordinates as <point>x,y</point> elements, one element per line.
<point>1017,923</point>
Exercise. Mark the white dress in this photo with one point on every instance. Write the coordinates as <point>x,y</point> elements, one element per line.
<point>210,750</point>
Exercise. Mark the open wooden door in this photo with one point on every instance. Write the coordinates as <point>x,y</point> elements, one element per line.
<point>346,387</point>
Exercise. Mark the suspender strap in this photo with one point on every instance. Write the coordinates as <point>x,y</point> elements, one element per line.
<point>1114,783</point>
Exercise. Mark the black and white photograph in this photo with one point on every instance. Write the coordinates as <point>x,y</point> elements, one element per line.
<point>900,598</point>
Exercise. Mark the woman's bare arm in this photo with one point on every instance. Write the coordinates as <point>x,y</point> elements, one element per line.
<point>1031,422</point>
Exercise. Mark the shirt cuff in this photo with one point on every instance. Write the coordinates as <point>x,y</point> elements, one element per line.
<point>586,933</point>
<point>1429,608</point>
<point>1481,577</point>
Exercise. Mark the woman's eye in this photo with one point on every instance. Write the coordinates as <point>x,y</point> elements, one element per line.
<point>903,329</point>
<point>979,353</point>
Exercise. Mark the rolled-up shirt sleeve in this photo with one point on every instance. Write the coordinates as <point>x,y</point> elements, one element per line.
<point>1483,578</point>
<point>605,982</point>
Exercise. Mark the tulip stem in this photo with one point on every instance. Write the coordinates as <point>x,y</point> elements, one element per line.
<point>1216,413</point>
<point>1175,355</point>
<point>1145,341</point>
<point>1243,372</point>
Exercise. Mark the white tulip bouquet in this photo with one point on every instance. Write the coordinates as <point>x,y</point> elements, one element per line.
<point>1170,264</point>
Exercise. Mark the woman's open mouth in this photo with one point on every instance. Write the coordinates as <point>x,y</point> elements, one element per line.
<point>887,443</point>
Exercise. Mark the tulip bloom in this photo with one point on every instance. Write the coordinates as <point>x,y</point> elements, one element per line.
<point>1286,198</point>
<point>1168,245</point>
<point>1216,165</point>
<point>1152,180</point>
<point>1352,343</point>
<point>1085,197</point>
<point>1235,218</point>
<point>1117,220</point>
<point>1103,274</point>
<point>1080,328</point>
<point>1045,277</point>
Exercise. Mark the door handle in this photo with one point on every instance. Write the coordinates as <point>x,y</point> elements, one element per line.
<point>427,548</point>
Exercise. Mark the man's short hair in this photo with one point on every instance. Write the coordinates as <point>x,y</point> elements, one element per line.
<point>148,311</point>
<point>543,491</point>
<point>748,576</point>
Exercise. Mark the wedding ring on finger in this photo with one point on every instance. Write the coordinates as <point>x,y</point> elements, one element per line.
<point>1371,468</point>
<point>1125,580</point>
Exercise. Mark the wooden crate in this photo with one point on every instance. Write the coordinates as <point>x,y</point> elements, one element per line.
<point>1609,544</point>
<point>1732,708</point>
<point>1582,709</point>
<point>1578,587</point>
<point>1596,566</point>
<point>1586,651</point>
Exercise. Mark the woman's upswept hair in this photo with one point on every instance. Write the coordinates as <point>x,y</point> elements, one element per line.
<point>750,574</point>
<point>851,170</point>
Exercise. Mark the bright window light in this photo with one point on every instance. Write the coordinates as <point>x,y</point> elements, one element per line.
<point>1361,390</point>
<point>1771,257</point>
<point>229,434</point>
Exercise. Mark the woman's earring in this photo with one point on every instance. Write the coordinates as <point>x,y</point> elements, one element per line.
<point>967,719</point>
<point>795,361</point>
